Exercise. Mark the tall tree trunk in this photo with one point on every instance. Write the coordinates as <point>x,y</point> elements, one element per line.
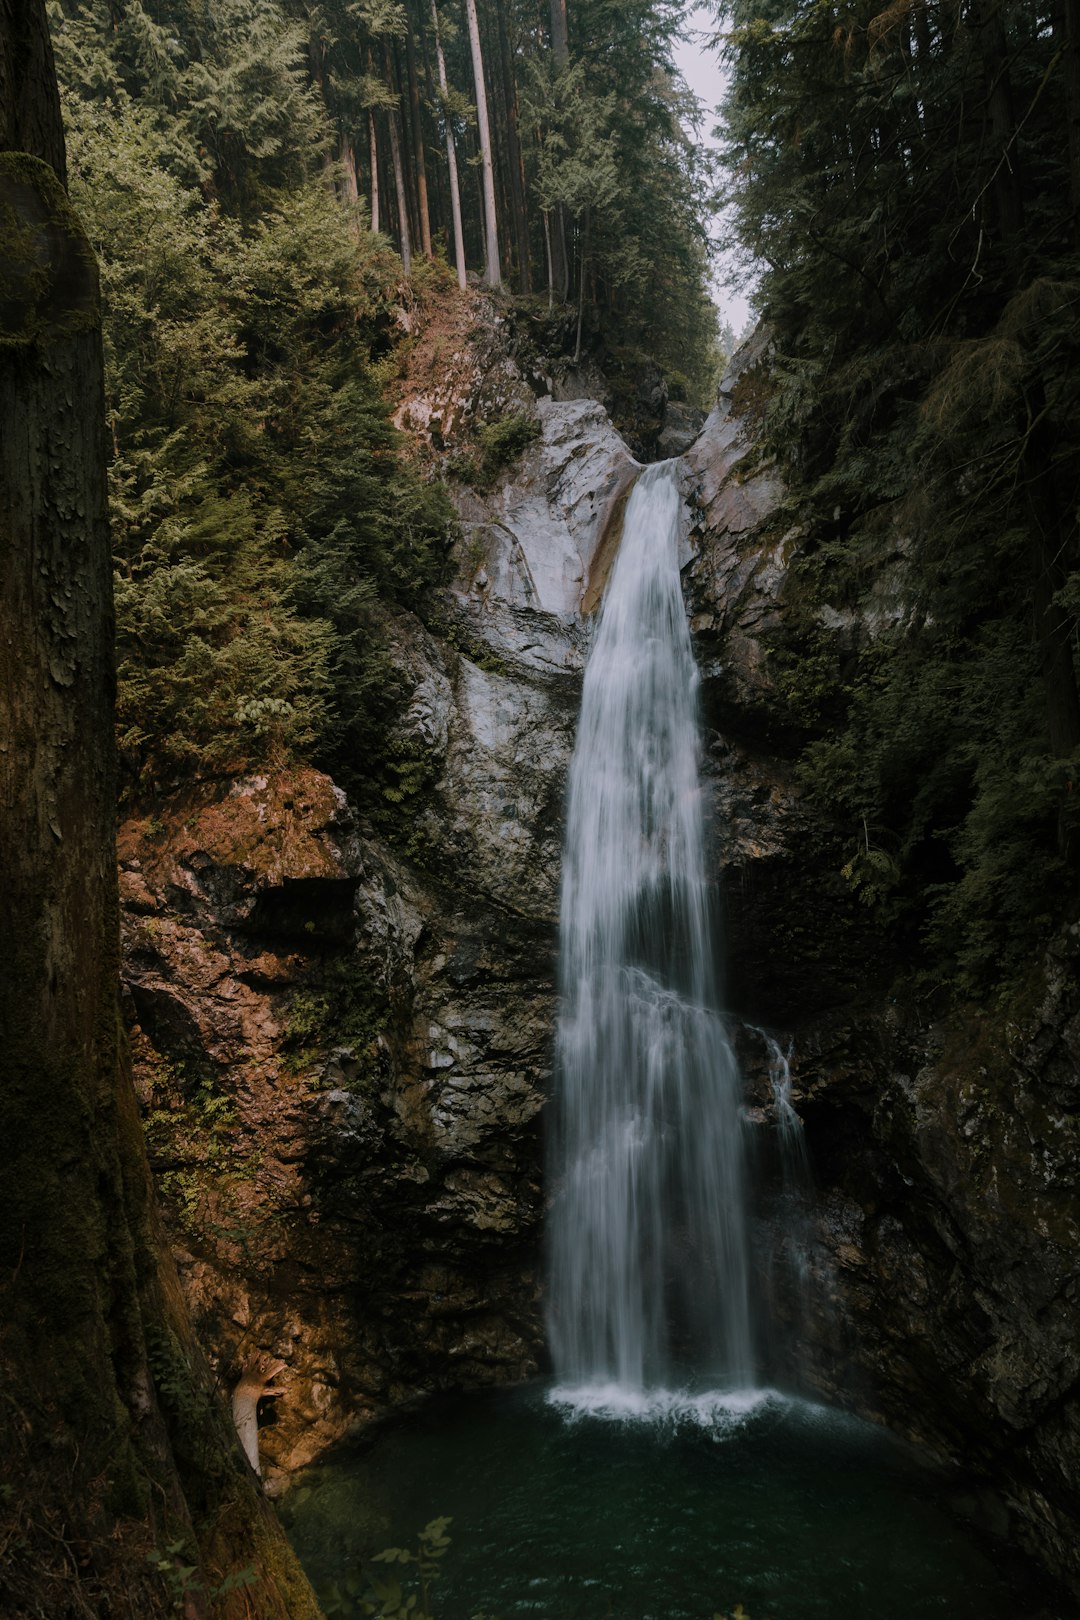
<point>373,158</point>
<point>113,1444</point>
<point>560,36</point>
<point>408,165</point>
<point>418,142</point>
<point>581,288</point>
<point>550,265</point>
<point>451,153</point>
<point>994,50</point>
<point>399,173</point>
<point>1067,29</point>
<point>492,272</point>
<point>29,98</point>
<point>513,155</point>
<point>350,179</point>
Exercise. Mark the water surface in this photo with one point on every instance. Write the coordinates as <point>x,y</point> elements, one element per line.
<point>570,1511</point>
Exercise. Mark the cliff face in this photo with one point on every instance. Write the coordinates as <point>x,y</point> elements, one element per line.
<point>344,1046</point>
<point>942,1233</point>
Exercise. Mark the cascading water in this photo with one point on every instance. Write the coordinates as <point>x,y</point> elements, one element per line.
<point>648,1266</point>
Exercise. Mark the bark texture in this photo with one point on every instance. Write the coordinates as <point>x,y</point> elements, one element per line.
<point>451,155</point>
<point>114,1446</point>
<point>29,97</point>
<point>492,270</point>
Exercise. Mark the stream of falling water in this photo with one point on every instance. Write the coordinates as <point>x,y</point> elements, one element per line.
<point>647,1242</point>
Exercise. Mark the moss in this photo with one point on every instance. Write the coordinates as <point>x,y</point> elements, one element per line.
<point>753,391</point>
<point>346,1010</point>
<point>48,273</point>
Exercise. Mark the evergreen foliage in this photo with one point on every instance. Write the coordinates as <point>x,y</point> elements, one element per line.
<point>910,177</point>
<point>264,520</point>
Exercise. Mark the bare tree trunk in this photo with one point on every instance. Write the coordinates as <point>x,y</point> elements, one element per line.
<point>560,37</point>
<point>399,191</point>
<point>373,150</point>
<point>408,165</point>
<point>513,155</point>
<point>492,272</point>
<point>112,1441</point>
<point>993,48</point>
<point>29,99</point>
<point>550,268</point>
<point>581,289</point>
<point>1067,29</point>
<point>350,181</point>
<point>451,152</point>
<point>418,143</point>
<point>399,173</point>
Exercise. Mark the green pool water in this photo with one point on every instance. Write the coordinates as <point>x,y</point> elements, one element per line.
<point>600,1511</point>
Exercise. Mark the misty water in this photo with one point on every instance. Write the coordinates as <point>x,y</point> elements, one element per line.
<point>652,1479</point>
<point>646,1232</point>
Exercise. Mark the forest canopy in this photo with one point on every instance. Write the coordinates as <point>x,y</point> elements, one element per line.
<point>907,179</point>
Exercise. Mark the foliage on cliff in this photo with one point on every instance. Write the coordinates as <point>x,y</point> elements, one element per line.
<point>263,517</point>
<point>910,176</point>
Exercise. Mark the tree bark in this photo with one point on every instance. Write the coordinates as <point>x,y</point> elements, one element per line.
<point>451,153</point>
<point>350,180</point>
<point>581,289</point>
<point>408,165</point>
<point>994,50</point>
<point>373,159</point>
<point>560,35</point>
<point>492,271</point>
<point>1068,30</point>
<point>399,173</point>
<point>112,1440</point>
<point>29,98</point>
<point>418,142</point>
<point>547,255</point>
<point>514,160</point>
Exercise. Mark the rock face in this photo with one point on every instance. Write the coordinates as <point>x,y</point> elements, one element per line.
<point>343,1046</point>
<point>947,1231</point>
<point>942,1237</point>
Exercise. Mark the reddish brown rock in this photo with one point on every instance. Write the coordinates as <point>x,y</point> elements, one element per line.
<point>345,1150</point>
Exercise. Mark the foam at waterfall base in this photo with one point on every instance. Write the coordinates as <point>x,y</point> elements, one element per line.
<point>719,1411</point>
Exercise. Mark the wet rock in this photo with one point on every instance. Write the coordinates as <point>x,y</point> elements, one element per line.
<point>682,424</point>
<point>345,1117</point>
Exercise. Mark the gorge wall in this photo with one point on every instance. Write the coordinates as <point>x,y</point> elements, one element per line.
<point>343,1042</point>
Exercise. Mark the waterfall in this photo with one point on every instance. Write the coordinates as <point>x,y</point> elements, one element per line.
<point>647,1245</point>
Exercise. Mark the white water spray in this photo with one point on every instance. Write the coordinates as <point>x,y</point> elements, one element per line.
<point>648,1268</point>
